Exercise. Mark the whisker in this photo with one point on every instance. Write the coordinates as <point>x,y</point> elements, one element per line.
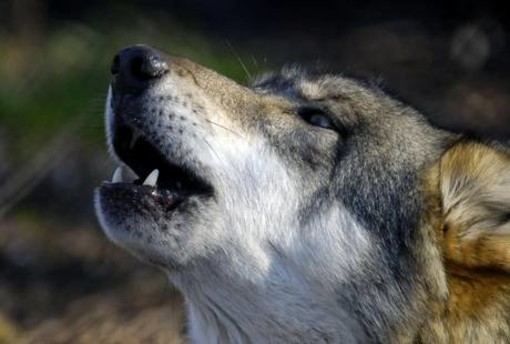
<point>227,129</point>
<point>236,55</point>
<point>254,61</point>
<point>212,149</point>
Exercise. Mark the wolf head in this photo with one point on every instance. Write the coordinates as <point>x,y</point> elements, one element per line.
<point>306,207</point>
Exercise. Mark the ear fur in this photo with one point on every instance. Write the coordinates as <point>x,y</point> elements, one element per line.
<point>475,192</point>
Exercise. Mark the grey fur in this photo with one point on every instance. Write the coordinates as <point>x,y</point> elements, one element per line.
<point>310,232</point>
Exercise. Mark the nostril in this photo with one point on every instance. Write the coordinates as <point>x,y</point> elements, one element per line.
<point>137,68</point>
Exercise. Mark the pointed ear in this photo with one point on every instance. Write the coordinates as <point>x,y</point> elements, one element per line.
<point>475,191</point>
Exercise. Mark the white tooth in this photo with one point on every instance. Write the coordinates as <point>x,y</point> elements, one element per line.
<point>134,138</point>
<point>152,178</point>
<point>117,175</point>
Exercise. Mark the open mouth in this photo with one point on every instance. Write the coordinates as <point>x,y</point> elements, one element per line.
<point>167,182</point>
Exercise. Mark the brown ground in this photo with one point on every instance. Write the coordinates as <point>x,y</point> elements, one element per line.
<point>91,293</point>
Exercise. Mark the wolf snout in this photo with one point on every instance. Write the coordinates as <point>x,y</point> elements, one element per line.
<point>134,67</point>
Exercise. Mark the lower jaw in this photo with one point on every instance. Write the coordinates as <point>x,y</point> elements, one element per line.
<point>165,199</point>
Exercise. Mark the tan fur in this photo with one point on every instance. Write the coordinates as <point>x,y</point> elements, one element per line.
<point>473,182</point>
<point>475,189</point>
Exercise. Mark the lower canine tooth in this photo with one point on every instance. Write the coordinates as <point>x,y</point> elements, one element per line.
<point>152,178</point>
<point>117,175</point>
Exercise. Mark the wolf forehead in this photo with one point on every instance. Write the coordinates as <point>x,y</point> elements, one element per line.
<point>354,99</point>
<point>307,83</point>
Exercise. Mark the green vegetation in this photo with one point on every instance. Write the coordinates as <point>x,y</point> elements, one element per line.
<point>47,83</point>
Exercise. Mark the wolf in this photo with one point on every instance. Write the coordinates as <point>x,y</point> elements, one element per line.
<point>306,207</point>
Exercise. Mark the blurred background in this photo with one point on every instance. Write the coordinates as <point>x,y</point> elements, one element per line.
<point>60,279</point>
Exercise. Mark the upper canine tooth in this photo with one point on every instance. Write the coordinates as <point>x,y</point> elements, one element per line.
<point>152,178</point>
<point>117,175</point>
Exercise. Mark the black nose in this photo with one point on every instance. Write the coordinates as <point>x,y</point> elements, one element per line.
<point>135,66</point>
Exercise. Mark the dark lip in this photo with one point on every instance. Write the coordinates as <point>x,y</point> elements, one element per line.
<point>168,200</point>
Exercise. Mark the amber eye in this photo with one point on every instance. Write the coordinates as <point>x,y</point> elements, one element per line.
<point>316,117</point>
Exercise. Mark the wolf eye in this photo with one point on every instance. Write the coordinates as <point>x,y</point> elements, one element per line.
<point>316,117</point>
<point>320,121</point>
